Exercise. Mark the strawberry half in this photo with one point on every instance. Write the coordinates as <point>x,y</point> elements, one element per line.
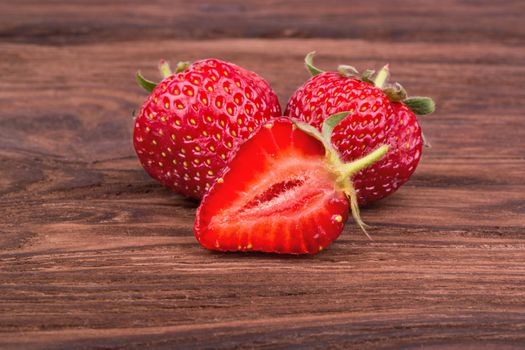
<point>380,113</point>
<point>194,119</point>
<point>285,191</point>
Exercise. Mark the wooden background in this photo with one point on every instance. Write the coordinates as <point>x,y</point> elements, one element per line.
<point>95,255</point>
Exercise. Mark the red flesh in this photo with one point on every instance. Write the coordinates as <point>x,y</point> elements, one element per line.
<point>276,196</point>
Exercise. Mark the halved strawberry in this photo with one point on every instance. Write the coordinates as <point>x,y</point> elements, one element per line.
<point>285,191</point>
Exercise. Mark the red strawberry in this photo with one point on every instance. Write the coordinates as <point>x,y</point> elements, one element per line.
<point>377,116</point>
<point>285,191</point>
<point>193,121</point>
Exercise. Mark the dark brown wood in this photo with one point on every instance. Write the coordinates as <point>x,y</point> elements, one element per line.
<point>73,22</point>
<point>95,254</point>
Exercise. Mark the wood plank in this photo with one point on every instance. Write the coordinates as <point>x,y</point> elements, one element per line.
<point>93,253</point>
<point>61,22</point>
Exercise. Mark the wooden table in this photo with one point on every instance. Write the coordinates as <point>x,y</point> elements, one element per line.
<point>95,254</point>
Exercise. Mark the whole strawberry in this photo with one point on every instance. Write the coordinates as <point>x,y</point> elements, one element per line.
<point>380,113</point>
<point>193,121</point>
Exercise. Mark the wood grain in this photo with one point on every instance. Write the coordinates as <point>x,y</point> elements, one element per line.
<point>94,254</point>
<point>60,22</point>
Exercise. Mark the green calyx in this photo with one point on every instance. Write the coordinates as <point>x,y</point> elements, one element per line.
<point>394,91</point>
<point>146,84</point>
<point>342,171</point>
<point>165,71</point>
<point>420,105</point>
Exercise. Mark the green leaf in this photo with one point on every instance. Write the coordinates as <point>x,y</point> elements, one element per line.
<point>330,123</point>
<point>420,105</point>
<point>307,128</point>
<point>347,71</point>
<point>309,62</point>
<point>395,92</point>
<point>367,75</point>
<point>312,131</point>
<point>144,83</point>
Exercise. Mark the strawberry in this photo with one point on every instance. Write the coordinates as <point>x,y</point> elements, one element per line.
<point>193,120</point>
<point>285,191</point>
<point>379,114</point>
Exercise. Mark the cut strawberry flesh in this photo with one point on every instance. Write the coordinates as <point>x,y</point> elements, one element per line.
<point>276,195</point>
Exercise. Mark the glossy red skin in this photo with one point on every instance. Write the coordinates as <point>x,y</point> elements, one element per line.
<point>193,121</point>
<point>374,121</point>
<point>237,213</point>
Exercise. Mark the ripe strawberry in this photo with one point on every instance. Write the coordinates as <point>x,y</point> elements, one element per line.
<point>379,114</point>
<point>285,191</point>
<point>193,120</point>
